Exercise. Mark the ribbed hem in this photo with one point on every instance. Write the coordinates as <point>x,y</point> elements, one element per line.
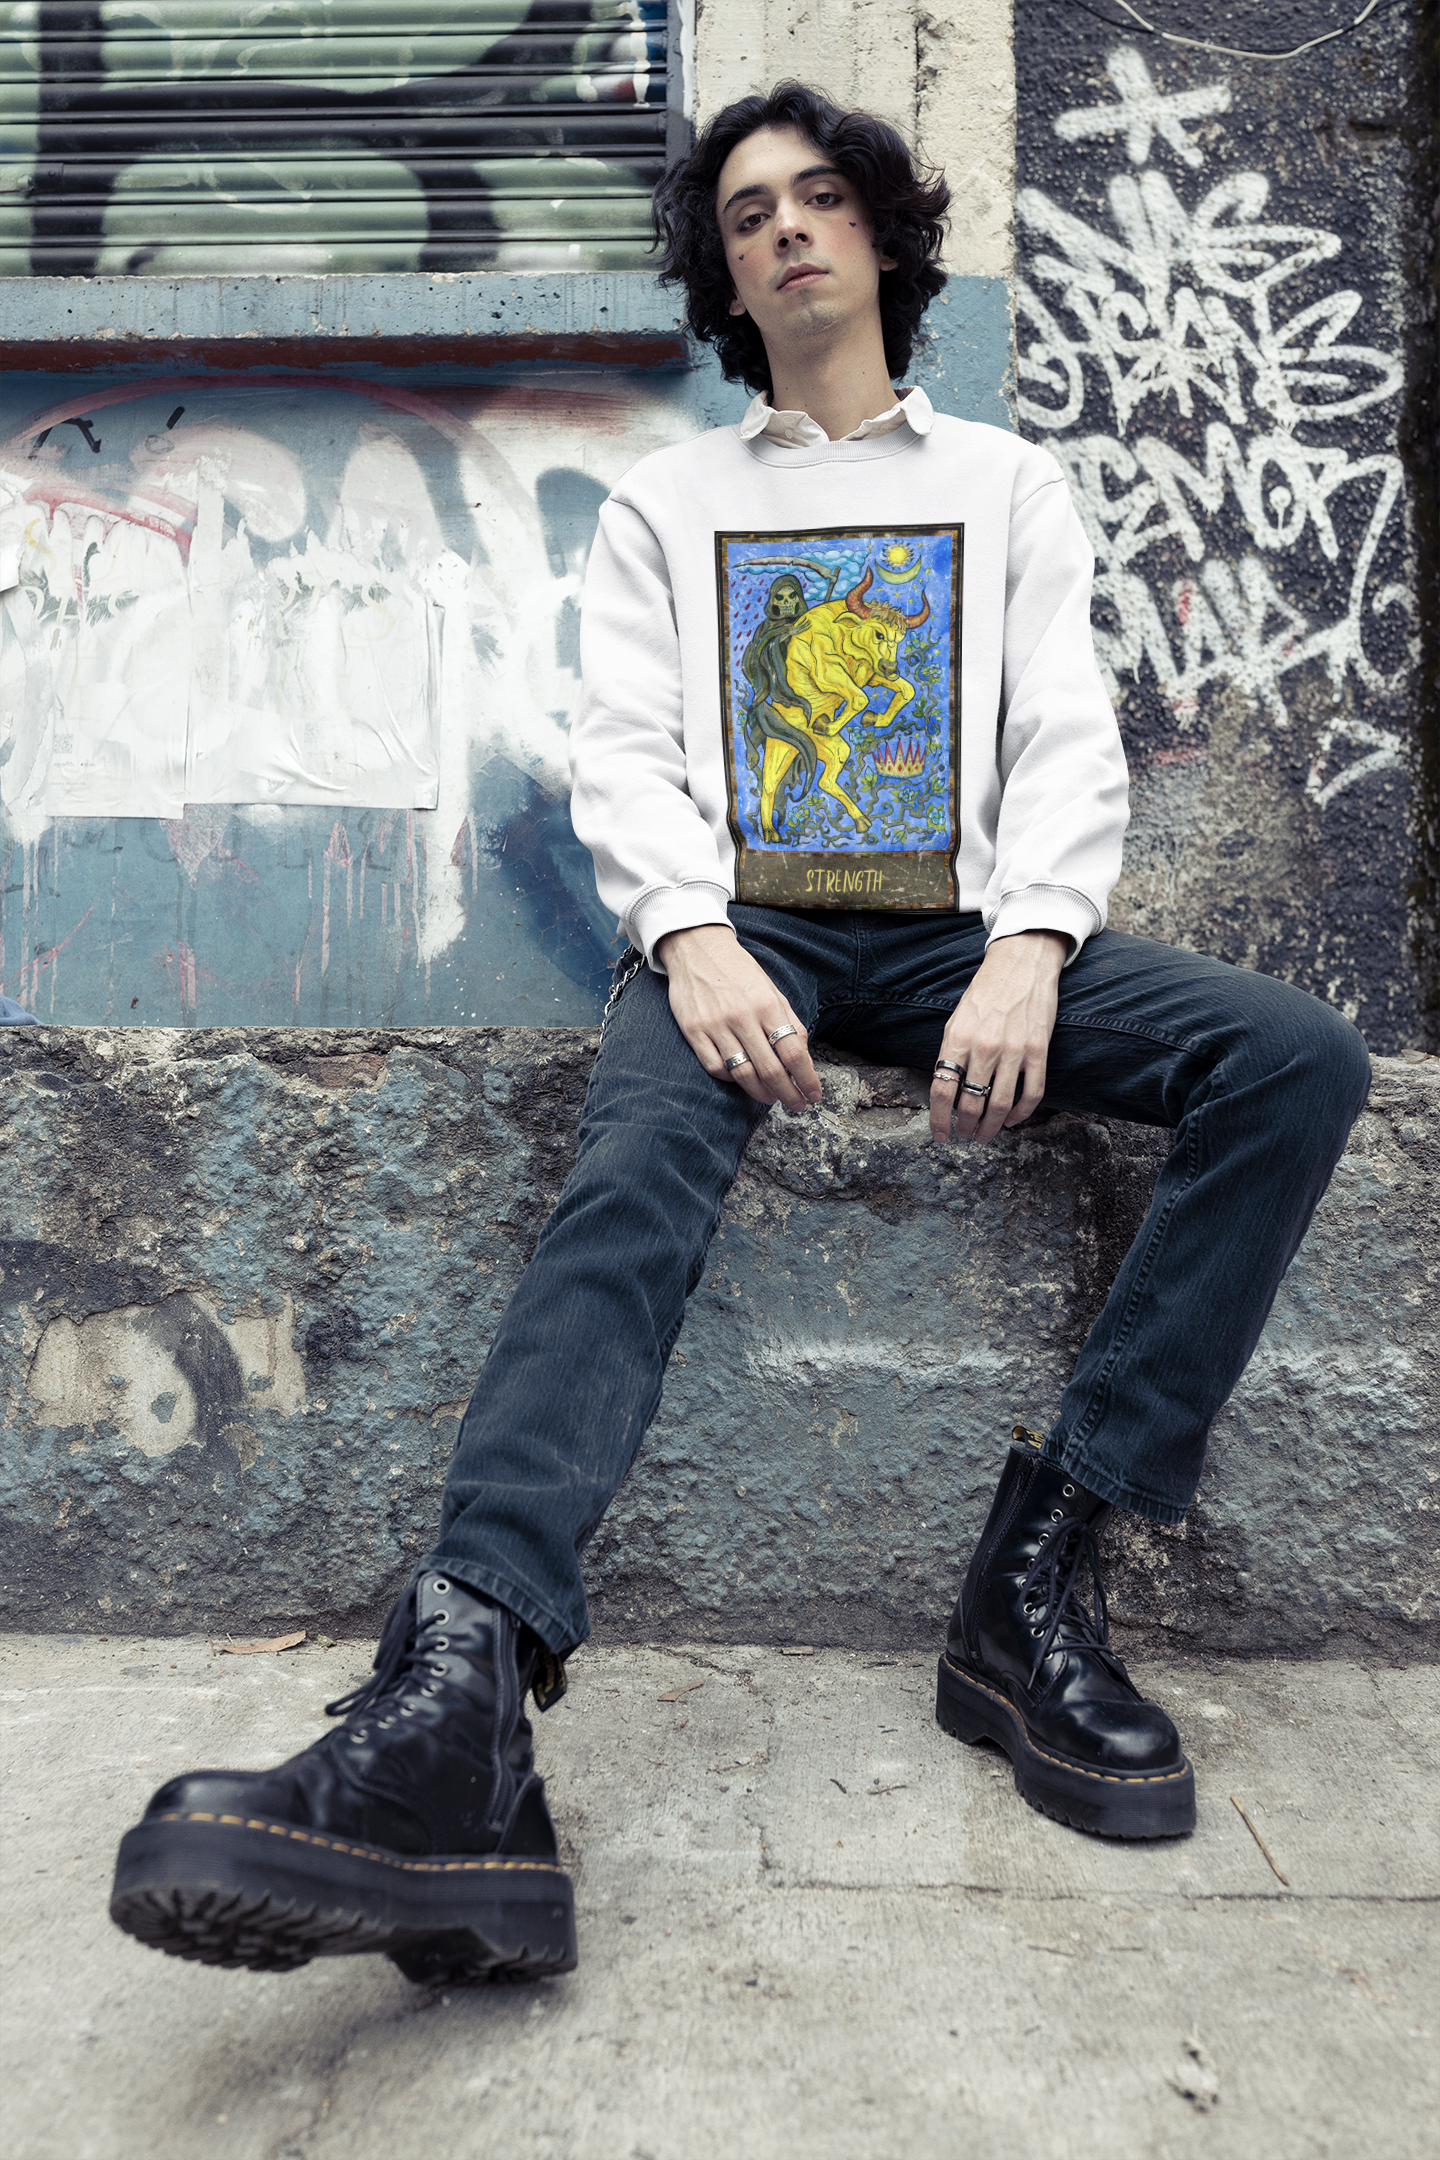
<point>1046,907</point>
<point>675,907</point>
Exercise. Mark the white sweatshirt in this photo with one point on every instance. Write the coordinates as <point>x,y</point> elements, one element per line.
<point>849,674</point>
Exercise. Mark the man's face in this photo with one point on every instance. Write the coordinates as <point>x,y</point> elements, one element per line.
<point>797,240</point>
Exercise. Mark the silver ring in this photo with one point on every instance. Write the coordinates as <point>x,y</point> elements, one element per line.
<point>943,1065</point>
<point>734,1064</point>
<point>969,1088</point>
<point>779,1034</point>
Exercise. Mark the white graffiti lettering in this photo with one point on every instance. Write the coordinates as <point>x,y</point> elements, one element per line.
<point>1185,306</point>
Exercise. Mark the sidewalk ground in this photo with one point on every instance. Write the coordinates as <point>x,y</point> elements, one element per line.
<point>811,1928</point>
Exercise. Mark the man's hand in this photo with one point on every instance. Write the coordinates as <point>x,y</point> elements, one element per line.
<point>1000,1028</point>
<point>725,1004</point>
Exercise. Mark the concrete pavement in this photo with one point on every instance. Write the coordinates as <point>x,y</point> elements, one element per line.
<point>810,1925</point>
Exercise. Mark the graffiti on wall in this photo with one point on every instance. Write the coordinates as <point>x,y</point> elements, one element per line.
<point>1184,299</point>
<point>1214,320</point>
<point>149,136</point>
<point>236,614</point>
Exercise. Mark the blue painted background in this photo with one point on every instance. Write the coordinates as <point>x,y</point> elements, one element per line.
<point>226,916</point>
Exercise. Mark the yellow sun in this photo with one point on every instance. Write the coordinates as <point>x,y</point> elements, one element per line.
<point>896,555</point>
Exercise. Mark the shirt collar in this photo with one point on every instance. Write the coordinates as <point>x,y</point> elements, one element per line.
<point>800,432</point>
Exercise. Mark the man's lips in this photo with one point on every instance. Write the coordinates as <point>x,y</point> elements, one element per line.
<point>801,271</point>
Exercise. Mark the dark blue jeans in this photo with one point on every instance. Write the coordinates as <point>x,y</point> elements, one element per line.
<point>1259,1082</point>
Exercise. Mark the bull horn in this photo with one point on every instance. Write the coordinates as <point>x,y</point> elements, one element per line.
<point>855,598</point>
<point>913,622</point>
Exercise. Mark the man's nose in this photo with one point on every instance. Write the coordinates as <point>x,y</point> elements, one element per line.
<point>790,224</point>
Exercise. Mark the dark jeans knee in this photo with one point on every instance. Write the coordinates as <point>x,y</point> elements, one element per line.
<point>1313,1057</point>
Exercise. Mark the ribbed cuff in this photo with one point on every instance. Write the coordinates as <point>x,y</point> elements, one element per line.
<point>675,907</point>
<point>1046,907</point>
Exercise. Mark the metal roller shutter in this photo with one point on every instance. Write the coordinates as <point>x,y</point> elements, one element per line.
<point>204,136</point>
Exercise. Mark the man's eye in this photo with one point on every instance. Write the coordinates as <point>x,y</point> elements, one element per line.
<point>826,197</point>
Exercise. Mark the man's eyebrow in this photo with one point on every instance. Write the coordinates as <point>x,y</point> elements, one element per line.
<point>810,172</point>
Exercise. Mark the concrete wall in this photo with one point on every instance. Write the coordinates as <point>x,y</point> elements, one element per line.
<point>1226,330</point>
<point>248,1279</point>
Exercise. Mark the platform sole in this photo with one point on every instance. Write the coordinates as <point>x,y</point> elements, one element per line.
<point>1115,1804</point>
<point>242,1890</point>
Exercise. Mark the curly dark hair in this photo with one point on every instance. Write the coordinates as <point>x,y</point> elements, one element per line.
<point>905,204</point>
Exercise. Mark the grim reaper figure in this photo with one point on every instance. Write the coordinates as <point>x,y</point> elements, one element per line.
<point>763,666</point>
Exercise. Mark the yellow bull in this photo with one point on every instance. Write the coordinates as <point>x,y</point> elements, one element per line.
<point>836,655</point>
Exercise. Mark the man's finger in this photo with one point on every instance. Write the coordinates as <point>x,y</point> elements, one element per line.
<point>1004,1086</point>
<point>759,1071</point>
<point>1034,1092</point>
<point>944,1095</point>
<point>793,1052</point>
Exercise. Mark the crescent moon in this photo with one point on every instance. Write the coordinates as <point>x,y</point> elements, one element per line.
<point>900,577</point>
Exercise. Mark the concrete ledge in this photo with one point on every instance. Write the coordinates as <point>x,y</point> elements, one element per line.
<point>249,1276</point>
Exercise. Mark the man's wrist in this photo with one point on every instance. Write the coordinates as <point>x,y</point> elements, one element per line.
<point>675,943</point>
<point>1052,945</point>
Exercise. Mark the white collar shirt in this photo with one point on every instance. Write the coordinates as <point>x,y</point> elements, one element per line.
<point>796,429</point>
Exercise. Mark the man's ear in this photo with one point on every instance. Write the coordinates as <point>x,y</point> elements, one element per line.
<point>889,262</point>
<point>737,305</point>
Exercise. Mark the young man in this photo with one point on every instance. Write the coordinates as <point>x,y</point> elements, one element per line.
<point>825,803</point>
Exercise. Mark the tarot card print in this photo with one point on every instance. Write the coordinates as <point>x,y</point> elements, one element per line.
<point>840,696</point>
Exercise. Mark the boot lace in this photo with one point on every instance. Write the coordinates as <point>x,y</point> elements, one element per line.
<point>1051,1592</point>
<point>399,1655</point>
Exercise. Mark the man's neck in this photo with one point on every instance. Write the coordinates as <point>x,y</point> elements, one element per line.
<point>838,389</point>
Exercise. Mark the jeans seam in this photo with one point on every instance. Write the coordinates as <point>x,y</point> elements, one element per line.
<point>1145,1033</point>
<point>1086,1424</point>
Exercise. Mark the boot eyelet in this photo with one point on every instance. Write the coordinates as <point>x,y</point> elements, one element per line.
<point>440,1586</point>
<point>358,1739</point>
<point>1043,1535</point>
<point>1057,1515</point>
<point>407,1710</point>
<point>439,1617</point>
<point>1037,1631</point>
<point>441,1642</point>
<point>1067,1492</point>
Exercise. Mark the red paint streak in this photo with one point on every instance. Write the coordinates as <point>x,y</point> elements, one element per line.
<point>1184,756</point>
<point>63,495</point>
<point>183,959</point>
<point>1183,601</point>
<point>52,950</point>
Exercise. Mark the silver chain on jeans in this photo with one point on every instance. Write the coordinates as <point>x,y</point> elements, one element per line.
<point>627,967</point>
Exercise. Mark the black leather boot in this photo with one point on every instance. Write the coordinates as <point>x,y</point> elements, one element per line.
<point>1028,1665</point>
<point>417,1827</point>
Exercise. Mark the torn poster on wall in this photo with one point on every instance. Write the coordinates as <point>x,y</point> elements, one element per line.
<point>283,509</point>
<point>173,634</point>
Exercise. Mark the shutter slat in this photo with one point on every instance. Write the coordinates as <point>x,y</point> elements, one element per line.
<point>149,136</point>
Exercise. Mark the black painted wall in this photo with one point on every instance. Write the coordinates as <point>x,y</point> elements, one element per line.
<point>1226,332</point>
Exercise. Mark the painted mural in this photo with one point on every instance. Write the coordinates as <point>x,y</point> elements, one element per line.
<point>162,136</point>
<point>1209,339</point>
<point>287,668</point>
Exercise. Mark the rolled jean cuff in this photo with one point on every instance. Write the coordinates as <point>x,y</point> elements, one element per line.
<point>1059,1448</point>
<point>558,1637</point>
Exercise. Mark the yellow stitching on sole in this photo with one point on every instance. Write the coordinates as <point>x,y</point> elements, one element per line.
<point>1104,1777</point>
<point>486,1865</point>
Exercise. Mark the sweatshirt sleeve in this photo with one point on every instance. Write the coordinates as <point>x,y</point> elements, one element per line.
<point>1064,787</point>
<point>656,862</point>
